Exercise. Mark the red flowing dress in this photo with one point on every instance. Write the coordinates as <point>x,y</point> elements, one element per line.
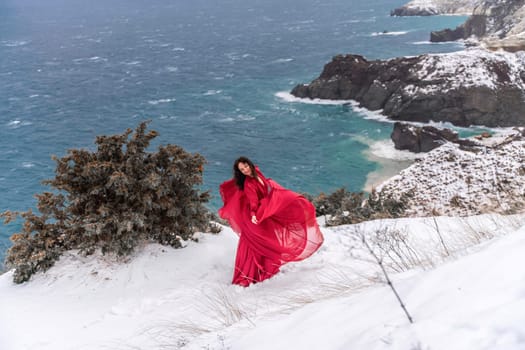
<point>287,228</point>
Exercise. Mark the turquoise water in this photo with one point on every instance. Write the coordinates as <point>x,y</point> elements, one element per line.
<point>206,73</point>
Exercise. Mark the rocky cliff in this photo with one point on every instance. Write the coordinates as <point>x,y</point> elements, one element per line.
<point>426,138</point>
<point>436,7</point>
<point>472,87</point>
<point>495,23</point>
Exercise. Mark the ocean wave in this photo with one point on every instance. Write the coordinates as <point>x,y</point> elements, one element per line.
<point>457,43</point>
<point>385,149</point>
<point>28,165</point>
<point>131,63</point>
<point>364,20</point>
<point>244,117</point>
<point>178,49</point>
<point>172,69</point>
<point>371,115</point>
<point>162,100</point>
<point>13,124</point>
<point>212,92</point>
<point>14,43</point>
<point>168,117</point>
<point>288,97</point>
<point>90,59</point>
<point>388,33</point>
<point>282,60</point>
<point>239,117</point>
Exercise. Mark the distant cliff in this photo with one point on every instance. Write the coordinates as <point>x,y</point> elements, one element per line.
<point>494,23</point>
<point>471,87</point>
<point>436,7</point>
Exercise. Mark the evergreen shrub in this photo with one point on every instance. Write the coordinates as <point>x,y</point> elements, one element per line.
<point>342,207</point>
<point>112,199</point>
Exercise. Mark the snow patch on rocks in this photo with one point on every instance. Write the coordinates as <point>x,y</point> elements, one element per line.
<point>452,181</point>
<point>474,67</point>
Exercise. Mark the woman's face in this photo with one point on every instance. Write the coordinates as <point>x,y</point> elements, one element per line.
<point>245,169</point>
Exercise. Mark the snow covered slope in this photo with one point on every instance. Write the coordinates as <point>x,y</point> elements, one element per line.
<point>183,299</point>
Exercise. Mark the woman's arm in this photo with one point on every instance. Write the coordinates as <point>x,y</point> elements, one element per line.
<point>253,201</point>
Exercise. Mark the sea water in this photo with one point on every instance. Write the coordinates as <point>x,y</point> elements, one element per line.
<point>212,76</point>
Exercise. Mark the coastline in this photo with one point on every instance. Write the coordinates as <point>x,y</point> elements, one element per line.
<point>390,162</point>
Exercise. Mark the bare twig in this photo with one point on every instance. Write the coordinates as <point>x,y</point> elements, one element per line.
<point>388,281</point>
<point>440,236</point>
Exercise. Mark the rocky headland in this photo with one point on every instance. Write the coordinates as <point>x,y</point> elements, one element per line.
<point>436,7</point>
<point>481,85</point>
<point>470,87</point>
<point>494,24</point>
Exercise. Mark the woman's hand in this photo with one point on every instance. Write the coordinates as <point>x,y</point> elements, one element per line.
<point>254,220</point>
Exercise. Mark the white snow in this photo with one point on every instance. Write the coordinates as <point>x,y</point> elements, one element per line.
<point>451,181</point>
<point>460,279</point>
<point>466,68</point>
<point>457,7</point>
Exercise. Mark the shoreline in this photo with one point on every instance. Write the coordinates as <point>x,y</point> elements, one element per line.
<point>388,169</point>
<point>390,161</point>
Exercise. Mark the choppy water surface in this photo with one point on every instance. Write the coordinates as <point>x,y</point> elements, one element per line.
<point>206,73</point>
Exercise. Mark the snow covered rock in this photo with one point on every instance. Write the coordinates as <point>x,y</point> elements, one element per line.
<point>451,181</point>
<point>436,7</point>
<point>471,87</point>
<point>497,24</point>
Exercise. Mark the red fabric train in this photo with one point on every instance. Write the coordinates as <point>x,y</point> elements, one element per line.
<point>287,229</point>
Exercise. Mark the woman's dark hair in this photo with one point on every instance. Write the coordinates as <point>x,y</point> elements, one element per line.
<point>240,177</point>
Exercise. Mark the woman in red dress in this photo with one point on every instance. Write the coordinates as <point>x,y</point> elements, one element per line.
<point>275,225</point>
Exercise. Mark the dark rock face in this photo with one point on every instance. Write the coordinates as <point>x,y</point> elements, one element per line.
<point>476,25</point>
<point>447,35</point>
<point>416,139</point>
<point>423,139</point>
<point>416,89</point>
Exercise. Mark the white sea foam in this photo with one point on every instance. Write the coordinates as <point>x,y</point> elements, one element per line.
<point>388,33</point>
<point>178,49</point>
<point>239,117</point>
<point>366,20</point>
<point>282,60</point>
<point>162,100</point>
<point>212,92</point>
<point>391,161</point>
<point>286,96</point>
<point>386,149</point>
<point>27,165</point>
<point>14,43</point>
<point>245,117</point>
<point>457,43</point>
<point>132,63</point>
<point>13,124</point>
<point>172,69</point>
<point>168,117</point>
<point>371,115</point>
<point>90,59</point>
